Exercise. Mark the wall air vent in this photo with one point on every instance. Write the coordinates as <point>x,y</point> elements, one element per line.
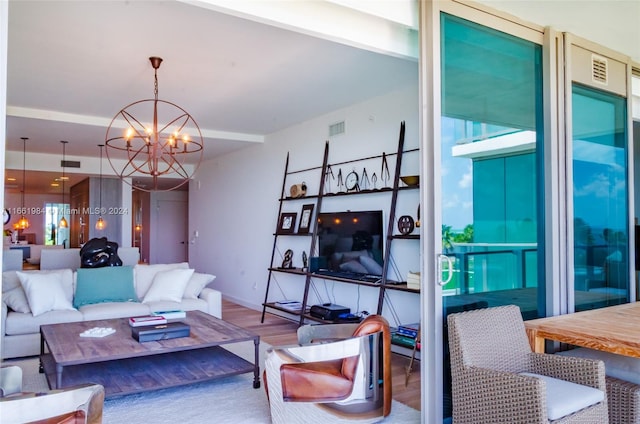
<point>336,129</point>
<point>70,164</point>
<point>599,67</point>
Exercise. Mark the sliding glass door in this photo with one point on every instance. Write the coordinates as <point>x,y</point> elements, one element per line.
<point>490,160</point>
<point>600,198</point>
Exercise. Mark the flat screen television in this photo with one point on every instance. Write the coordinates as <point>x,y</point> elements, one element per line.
<point>351,242</point>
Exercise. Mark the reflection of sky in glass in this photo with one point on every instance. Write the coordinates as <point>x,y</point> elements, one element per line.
<point>599,160</point>
<point>457,181</point>
<point>599,191</point>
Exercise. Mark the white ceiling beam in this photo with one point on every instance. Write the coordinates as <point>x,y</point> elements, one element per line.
<point>342,23</point>
<point>52,115</point>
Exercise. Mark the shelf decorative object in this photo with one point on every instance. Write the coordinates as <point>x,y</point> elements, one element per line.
<point>305,218</point>
<point>287,222</point>
<point>287,262</point>
<point>298,190</point>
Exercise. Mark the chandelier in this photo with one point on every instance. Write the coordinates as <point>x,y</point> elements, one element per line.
<point>149,138</point>
<point>23,222</point>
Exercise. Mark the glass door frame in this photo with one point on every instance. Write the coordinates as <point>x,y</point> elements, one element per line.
<point>618,85</point>
<point>430,131</point>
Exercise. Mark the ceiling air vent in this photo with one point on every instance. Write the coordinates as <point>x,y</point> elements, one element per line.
<point>336,129</point>
<point>70,164</point>
<point>599,67</point>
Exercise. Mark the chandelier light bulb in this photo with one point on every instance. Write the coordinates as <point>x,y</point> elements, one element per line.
<point>23,223</point>
<point>63,223</point>
<point>100,224</point>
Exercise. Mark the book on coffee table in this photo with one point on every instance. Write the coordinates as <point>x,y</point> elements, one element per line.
<point>146,320</point>
<point>170,314</point>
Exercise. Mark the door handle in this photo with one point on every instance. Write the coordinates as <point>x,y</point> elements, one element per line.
<point>444,258</point>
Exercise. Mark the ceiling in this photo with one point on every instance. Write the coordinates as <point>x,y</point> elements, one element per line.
<point>72,65</point>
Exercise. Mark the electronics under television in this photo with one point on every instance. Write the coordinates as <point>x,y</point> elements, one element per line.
<point>350,243</point>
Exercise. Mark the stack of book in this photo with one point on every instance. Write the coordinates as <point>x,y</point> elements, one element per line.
<point>176,314</point>
<point>413,280</point>
<point>406,335</point>
<point>290,305</point>
<point>146,320</point>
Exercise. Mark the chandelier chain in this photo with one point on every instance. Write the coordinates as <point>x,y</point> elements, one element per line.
<point>155,84</point>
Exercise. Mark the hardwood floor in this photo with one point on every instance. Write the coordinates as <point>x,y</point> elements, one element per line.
<point>279,331</point>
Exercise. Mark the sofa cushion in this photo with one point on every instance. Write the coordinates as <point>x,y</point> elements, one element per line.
<point>110,310</point>
<point>197,282</point>
<point>16,300</point>
<point>144,275</point>
<point>185,305</point>
<point>168,285</point>
<point>44,291</point>
<point>106,284</point>
<point>565,397</point>
<point>18,323</point>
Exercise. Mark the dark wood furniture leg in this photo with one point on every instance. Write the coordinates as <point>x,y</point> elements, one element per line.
<point>256,363</point>
<point>59,369</point>
<point>41,367</point>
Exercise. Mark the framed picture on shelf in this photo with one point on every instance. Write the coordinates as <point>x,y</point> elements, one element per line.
<point>305,218</point>
<point>287,222</point>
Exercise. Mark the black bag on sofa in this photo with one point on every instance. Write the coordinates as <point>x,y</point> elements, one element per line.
<point>98,252</point>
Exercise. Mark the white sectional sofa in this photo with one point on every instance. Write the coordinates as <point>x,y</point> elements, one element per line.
<point>34,298</point>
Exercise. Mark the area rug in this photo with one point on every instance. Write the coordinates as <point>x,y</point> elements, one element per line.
<point>227,400</point>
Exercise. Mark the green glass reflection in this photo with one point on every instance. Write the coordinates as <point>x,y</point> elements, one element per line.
<point>600,201</point>
<point>491,138</point>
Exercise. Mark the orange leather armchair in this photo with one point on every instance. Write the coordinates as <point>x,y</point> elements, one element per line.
<point>334,378</point>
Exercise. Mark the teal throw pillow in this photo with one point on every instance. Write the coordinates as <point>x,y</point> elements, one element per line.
<point>107,284</point>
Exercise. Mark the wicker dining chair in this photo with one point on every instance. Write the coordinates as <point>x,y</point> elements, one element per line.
<point>496,378</point>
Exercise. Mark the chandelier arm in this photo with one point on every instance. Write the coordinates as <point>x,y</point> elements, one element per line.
<point>129,117</point>
<point>179,169</point>
<point>181,127</point>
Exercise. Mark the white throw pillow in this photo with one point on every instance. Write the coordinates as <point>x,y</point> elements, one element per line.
<point>16,300</point>
<point>44,291</point>
<point>10,280</point>
<point>197,282</point>
<point>66,278</point>
<point>168,285</point>
<point>143,275</point>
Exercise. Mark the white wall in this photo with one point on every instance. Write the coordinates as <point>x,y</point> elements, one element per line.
<point>234,202</point>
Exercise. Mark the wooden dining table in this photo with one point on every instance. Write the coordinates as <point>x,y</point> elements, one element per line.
<point>613,329</point>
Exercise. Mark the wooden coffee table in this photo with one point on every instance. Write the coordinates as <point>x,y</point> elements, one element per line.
<point>124,366</point>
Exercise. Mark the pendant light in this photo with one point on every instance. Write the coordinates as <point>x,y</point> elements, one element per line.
<point>63,221</point>
<point>100,223</point>
<point>23,223</point>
